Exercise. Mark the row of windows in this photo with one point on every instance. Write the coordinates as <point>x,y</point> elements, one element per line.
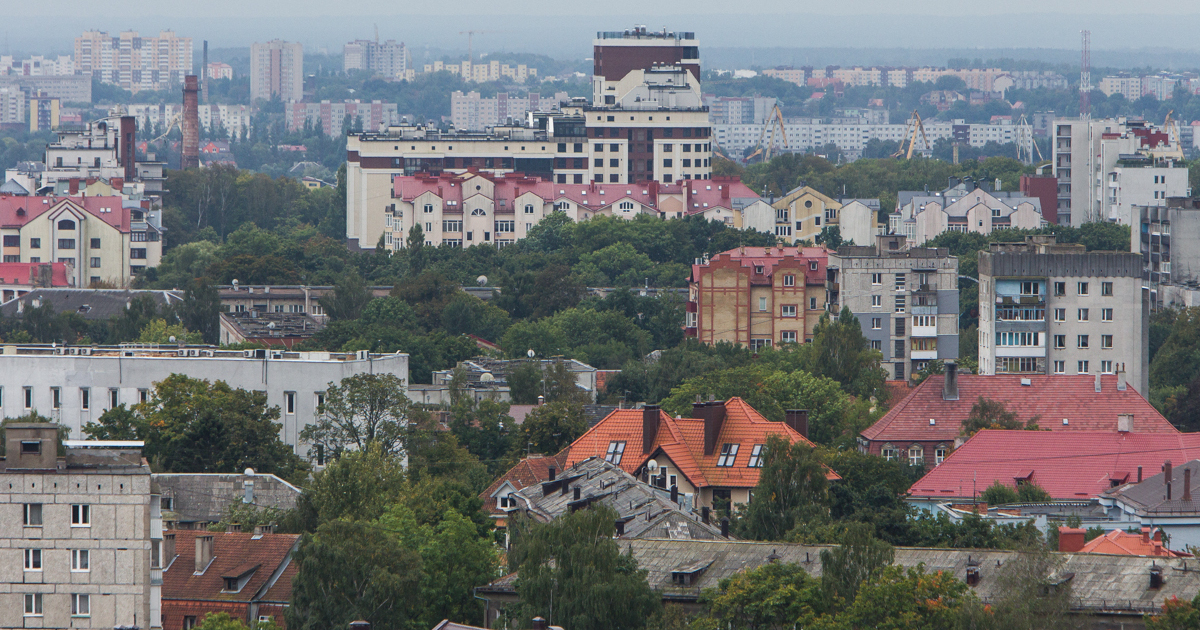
<point>1083,288</point>
<point>1081,367</point>
<point>81,605</point>
<point>786,310</point>
<point>85,396</point>
<point>63,243</point>
<point>1083,314</point>
<point>1024,339</point>
<point>81,513</point>
<point>916,454</point>
<point>80,560</point>
<point>1081,341</point>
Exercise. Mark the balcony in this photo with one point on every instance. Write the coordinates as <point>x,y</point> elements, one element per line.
<point>924,288</point>
<point>923,355</point>
<point>156,577</point>
<point>923,331</point>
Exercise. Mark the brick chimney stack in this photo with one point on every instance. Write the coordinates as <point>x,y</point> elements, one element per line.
<point>190,125</point>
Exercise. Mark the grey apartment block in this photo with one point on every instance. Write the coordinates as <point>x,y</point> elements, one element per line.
<point>78,534</point>
<point>75,385</point>
<point>1167,238</point>
<point>1057,309</point>
<point>905,299</point>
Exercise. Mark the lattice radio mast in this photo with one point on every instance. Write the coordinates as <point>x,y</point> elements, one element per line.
<point>1085,77</point>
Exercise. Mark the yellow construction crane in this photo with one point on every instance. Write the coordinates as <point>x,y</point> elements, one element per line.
<point>1174,148</point>
<point>774,120</point>
<point>914,125</point>
<point>174,121</point>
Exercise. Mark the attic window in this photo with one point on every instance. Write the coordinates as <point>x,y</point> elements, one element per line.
<point>31,447</point>
<point>231,584</point>
<point>756,457</point>
<point>758,269</point>
<point>615,450</point>
<point>728,455</point>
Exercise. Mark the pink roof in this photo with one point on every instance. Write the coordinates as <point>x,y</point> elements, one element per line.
<point>1067,464</point>
<point>594,196</point>
<point>17,211</point>
<point>19,273</point>
<point>1118,542</point>
<point>770,257</point>
<point>719,192</point>
<point>1051,396</point>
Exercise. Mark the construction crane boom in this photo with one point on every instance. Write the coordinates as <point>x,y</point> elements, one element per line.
<point>914,126</point>
<point>774,120</point>
<point>470,37</point>
<point>174,121</point>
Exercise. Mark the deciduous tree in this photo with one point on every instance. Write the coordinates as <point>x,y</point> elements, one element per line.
<point>363,409</point>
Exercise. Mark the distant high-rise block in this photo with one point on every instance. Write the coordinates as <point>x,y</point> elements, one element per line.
<point>133,62</point>
<point>277,70</point>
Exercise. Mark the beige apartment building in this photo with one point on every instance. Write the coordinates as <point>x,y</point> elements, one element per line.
<point>80,534</point>
<point>134,62</point>
<point>277,69</point>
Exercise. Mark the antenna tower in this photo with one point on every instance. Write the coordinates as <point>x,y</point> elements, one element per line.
<point>1085,77</point>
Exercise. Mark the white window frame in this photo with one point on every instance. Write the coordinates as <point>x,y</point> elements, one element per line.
<point>728,457</point>
<point>27,515</point>
<point>33,560</point>
<point>787,310</point>
<point>616,449</point>
<point>789,281</point>
<point>1106,314</point>
<point>33,604</point>
<point>81,605</point>
<point>81,561</point>
<point>81,515</point>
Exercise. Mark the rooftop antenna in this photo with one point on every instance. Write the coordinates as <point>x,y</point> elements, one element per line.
<point>377,33</point>
<point>1085,77</point>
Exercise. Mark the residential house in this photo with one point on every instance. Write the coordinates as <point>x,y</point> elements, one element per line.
<point>964,206</point>
<point>803,213</point>
<point>1164,500</point>
<point>1118,542</point>
<point>197,500</point>
<point>927,426</point>
<point>530,471</point>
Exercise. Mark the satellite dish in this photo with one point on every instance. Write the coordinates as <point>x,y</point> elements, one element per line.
<point>652,465</point>
<point>531,353</point>
<point>271,325</point>
<point>487,377</point>
<point>172,339</point>
<point>482,280</point>
<point>235,283</point>
<point>249,472</point>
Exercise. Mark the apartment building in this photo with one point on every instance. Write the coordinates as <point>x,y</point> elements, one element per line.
<point>803,213</point>
<point>37,66</point>
<point>738,110</point>
<point>333,118</point>
<point>1049,308</point>
<point>1171,274</point>
<point>481,71</point>
<point>388,59</point>
<point>277,71</point>
<point>12,106</point>
<point>964,206</point>
<point>75,385</point>
<point>757,296</point>
<point>234,119</point>
<point>217,70</point>
<point>102,239</point>
<point>1106,167</point>
<point>472,112</point>
<point>905,299</point>
<point>134,62</point>
<point>985,79</point>
<point>80,533</point>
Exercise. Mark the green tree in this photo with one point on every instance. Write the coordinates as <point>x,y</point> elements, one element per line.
<point>348,297</point>
<point>859,559</point>
<point>840,352</point>
<point>525,383</point>
<point>200,310</point>
<point>363,409</point>
<point>1177,614</point>
<point>350,570</point>
<point>551,427</point>
<point>791,489</point>
<point>773,596</point>
<point>359,485</point>
<point>999,494</point>
<point>994,414</point>
<point>159,332</point>
<point>1029,596</point>
<point>573,567</point>
<point>908,599</point>
<point>222,621</point>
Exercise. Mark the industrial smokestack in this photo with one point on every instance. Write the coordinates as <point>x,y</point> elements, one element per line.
<point>190,157</point>
<point>204,74</point>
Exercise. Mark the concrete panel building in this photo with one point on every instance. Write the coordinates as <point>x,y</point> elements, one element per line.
<point>388,59</point>
<point>1172,274</point>
<point>80,536</point>
<point>277,70</point>
<point>1047,308</point>
<point>75,385</point>
<point>905,299</point>
<point>134,62</point>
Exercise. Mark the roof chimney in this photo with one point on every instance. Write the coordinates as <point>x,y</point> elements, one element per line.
<point>704,515</point>
<point>699,408</point>
<point>552,473</point>
<point>675,494</point>
<point>204,553</point>
<point>1145,534</point>
<point>1071,539</point>
<point>1097,383</point>
<point>1139,474</point>
<point>798,420</point>
<point>714,417</point>
<point>950,382</point>
<point>1121,383</point>
<point>1167,477</point>
<point>1187,484</point>
<point>649,427</point>
<point>1124,422</point>
<point>577,491</point>
<point>724,527</point>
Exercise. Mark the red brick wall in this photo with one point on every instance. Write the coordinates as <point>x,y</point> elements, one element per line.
<point>174,610</point>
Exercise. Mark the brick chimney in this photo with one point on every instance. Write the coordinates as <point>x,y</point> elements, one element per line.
<point>1167,477</point>
<point>950,382</point>
<point>73,186</point>
<point>1071,539</point>
<point>713,419</point>
<point>649,427</point>
<point>1146,535</point>
<point>204,553</point>
<point>1187,484</point>
<point>797,419</point>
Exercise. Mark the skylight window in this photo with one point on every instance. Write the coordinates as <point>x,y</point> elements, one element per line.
<point>728,455</point>
<point>615,450</point>
<point>756,457</point>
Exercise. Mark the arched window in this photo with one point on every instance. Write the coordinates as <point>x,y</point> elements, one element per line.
<point>916,455</point>
<point>529,209</point>
<point>66,224</point>
<point>479,212</point>
<point>626,206</point>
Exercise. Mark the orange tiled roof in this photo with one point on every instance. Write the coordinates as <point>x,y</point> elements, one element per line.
<point>232,552</point>
<point>527,472</point>
<point>1123,543</point>
<point>682,440</point>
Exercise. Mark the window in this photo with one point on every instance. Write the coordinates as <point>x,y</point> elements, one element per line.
<point>889,452</point>
<point>56,398</point>
<point>787,310</point>
<point>33,559</point>
<point>80,560</point>
<point>1060,341</point>
<point>451,226</point>
<point>189,622</point>
<point>1060,367</point>
<point>1082,367</point>
<point>876,323</point>
<point>506,226</point>
<point>95,243</point>
<point>758,344</point>
<point>615,450</point>
<point>81,605</point>
<point>31,447</point>
<point>35,243</point>
<point>789,281</point>
<point>112,397</point>
<point>916,455</point>
<point>143,395</point>
<point>1106,342</point>
<point>728,454</point>
<point>95,262</point>
<point>876,278</point>
<point>33,514</point>
<point>1083,314</point>
<point>529,209</point>
<point>1082,288</point>
<point>812,303</point>
<point>756,457</point>
<point>1106,289</point>
<point>1060,314</point>
<point>1106,314</point>
<point>428,207</point>
<point>1106,367</point>
<point>1031,288</point>
<point>289,402</point>
<point>66,243</point>
<point>28,397</point>
<point>877,344</point>
<point>876,301</point>
<point>1060,288</point>
<point>939,455</point>
<point>231,584</point>
<point>899,281</point>
<point>1082,341</point>
<point>899,303</point>
<point>33,604</point>
<point>788,336</point>
<point>762,304</point>
<point>667,163</point>
<point>81,515</point>
<point>138,253</point>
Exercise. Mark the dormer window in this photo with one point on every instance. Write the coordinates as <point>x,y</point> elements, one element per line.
<point>756,457</point>
<point>615,450</point>
<point>231,584</point>
<point>728,455</point>
<point>479,212</point>
<point>758,269</point>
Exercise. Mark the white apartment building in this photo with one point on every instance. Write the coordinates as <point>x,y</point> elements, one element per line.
<point>388,59</point>
<point>75,385</point>
<point>963,206</point>
<point>472,112</point>
<point>1105,167</point>
<point>134,62</point>
<point>277,70</point>
<point>234,119</point>
<point>332,116</point>
<point>80,534</point>
<point>37,66</point>
<point>12,105</point>
<point>484,71</point>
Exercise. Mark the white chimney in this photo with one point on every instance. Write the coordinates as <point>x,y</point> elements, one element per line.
<point>1097,383</point>
<point>1121,384</point>
<point>1125,422</point>
<point>204,553</point>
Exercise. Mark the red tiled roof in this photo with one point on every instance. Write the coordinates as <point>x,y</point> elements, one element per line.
<point>770,257</point>
<point>1067,464</point>
<point>16,211</point>
<point>232,552</point>
<point>1118,542</point>
<point>527,472</point>
<point>1053,397</point>
<point>18,273</point>
<point>682,440</point>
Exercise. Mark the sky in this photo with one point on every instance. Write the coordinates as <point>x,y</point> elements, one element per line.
<point>565,29</point>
